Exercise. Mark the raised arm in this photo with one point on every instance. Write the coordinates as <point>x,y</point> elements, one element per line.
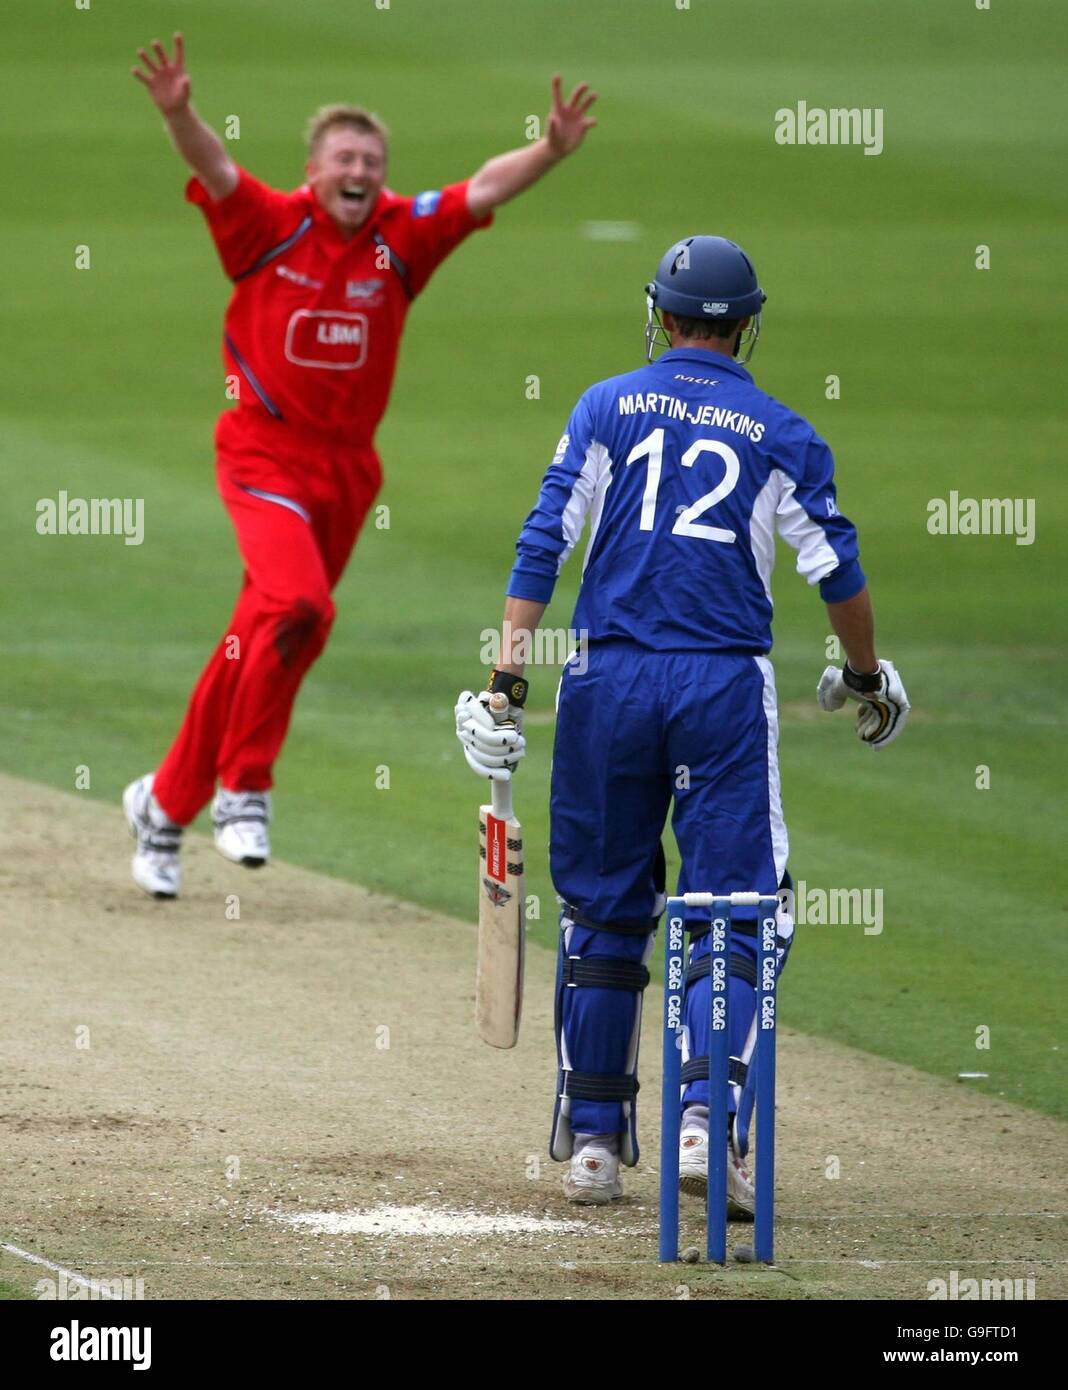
<point>168,84</point>
<point>508,174</point>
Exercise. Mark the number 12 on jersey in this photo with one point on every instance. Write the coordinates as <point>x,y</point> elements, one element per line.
<point>687,524</point>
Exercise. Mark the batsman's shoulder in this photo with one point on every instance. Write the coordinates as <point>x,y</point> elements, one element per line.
<point>591,405</point>
<point>786,425</point>
<point>602,397</point>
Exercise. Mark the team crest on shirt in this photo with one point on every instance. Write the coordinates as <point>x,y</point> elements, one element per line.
<point>364,291</point>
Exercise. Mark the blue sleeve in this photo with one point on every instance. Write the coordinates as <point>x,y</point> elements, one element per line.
<point>554,525</point>
<point>808,517</point>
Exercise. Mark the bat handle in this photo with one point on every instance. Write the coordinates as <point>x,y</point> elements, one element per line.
<point>501,793</point>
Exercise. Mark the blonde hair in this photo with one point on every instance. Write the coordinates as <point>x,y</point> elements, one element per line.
<point>340,114</point>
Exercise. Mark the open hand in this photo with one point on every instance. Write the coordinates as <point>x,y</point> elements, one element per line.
<point>167,81</point>
<point>567,122</point>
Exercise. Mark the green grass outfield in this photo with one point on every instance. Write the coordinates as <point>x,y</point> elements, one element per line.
<point>950,379</point>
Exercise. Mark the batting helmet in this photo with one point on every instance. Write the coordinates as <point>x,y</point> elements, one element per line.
<point>704,277</point>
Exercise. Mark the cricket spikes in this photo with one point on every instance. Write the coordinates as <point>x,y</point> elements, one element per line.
<point>592,1177</point>
<point>693,1173</point>
<point>240,820</point>
<point>155,866</point>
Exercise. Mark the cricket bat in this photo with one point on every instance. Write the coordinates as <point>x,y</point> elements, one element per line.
<point>501,913</point>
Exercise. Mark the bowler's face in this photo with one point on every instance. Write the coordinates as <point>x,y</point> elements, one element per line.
<point>347,173</point>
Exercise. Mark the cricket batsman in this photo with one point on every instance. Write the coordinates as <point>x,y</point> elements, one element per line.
<point>686,471</point>
<point>323,277</point>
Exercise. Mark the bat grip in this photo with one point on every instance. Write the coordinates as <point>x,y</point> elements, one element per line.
<point>501,794</point>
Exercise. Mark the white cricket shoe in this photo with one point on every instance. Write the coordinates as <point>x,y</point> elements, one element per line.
<point>155,866</point>
<point>693,1173</point>
<point>241,820</point>
<point>592,1177</point>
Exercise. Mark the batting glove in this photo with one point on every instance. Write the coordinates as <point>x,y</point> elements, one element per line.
<point>884,706</point>
<point>492,748</point>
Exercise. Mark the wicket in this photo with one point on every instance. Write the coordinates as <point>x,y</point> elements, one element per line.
<point>675,963</point>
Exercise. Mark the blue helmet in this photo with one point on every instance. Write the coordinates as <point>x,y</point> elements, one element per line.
<point>704,277</point>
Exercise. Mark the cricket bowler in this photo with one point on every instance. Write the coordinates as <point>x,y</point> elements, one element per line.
<point>686,471</point>
<point>323,277</point>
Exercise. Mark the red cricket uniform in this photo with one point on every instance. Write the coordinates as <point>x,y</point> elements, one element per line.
<point>311,335</point>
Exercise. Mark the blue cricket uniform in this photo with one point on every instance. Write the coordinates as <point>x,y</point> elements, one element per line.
<point>686,471</point>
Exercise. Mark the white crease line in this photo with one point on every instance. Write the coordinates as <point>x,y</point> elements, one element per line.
<point>553,1263</point>
<point>71,1276</point>
<point>928,1216</point>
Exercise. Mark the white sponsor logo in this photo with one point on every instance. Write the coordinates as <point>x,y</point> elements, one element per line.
<point>338,333</point>
<point>298,279</point>
<point>768,934</point>
<point>327,338</point>
<point>697,380</point>
<point>767,1012</point>
<point>714,306</point>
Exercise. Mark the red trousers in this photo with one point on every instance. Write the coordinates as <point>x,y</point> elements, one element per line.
<point>297,502</point>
